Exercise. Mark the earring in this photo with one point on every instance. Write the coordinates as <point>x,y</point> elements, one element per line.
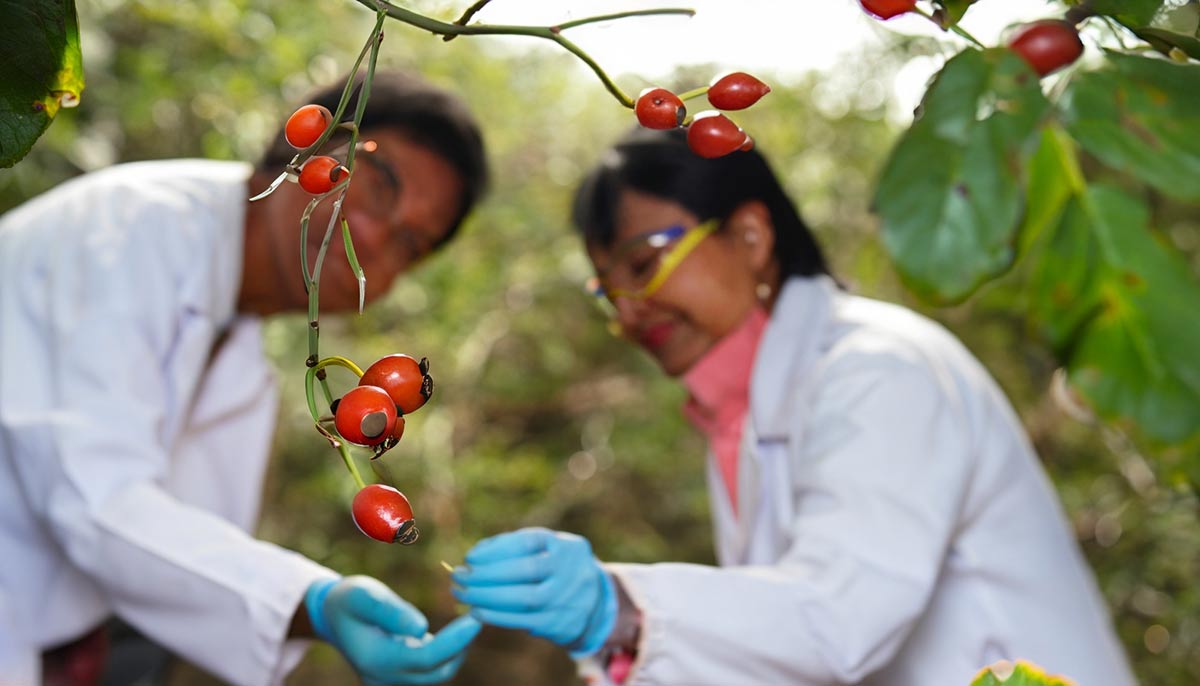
<point>763,291</point>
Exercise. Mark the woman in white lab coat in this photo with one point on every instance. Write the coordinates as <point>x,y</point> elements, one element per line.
<point>880,516</point>
<point>137,408</point>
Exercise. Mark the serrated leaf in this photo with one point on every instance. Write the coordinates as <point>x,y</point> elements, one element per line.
<point>42,67</point>
<point>950,196</point>
<point>1021,673</point>
<point>1164,41</point>
<point>1141,115</point>
<point>1121,308</point>
<point>1132,12</point>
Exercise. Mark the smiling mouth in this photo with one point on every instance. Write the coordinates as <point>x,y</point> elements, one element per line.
<point>653,337</point>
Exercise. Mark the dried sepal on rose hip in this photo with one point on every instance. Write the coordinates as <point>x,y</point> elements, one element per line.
<point>406,380</point>
<point>306,125</point>
<point>384,514</point>
<point>320,174</point>
<point>886,9</point>
<point>736,91</point>
<point>1047,45</point>
<point>365,416</point>
<point>659,108</point>
<point>712,134</point>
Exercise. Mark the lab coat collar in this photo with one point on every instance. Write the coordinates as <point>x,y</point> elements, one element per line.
<point>788,348</point>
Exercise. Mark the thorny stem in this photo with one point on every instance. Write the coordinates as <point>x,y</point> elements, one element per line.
<point>466,17</point>
<point>551,33</point>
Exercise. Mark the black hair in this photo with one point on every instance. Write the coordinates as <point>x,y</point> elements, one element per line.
<point>661,164</point>
<point>424,113</point>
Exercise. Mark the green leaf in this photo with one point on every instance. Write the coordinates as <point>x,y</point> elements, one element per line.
<point>950,197</point>
<point>1164,41</point>
<point>1021,673</point>
<point>1066,279</point>
<point>42,67</point>
<point>1141,115</point>
<point>1054,177</point>
<point>1121,308</point>
<point>1133,12</point>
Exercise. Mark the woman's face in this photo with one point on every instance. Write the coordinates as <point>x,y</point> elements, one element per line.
<point>707,295</point>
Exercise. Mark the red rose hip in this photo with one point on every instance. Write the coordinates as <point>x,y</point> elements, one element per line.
<point>712,134</point>
<point>1047,45</point>
<point>659,108</point>
<point>306,125</point>
<point>886,9</point>
<point>365,416</point>
<point>320,174</point>
<point>383,513</point>
<point>405,379</point>
<point>736,91</point>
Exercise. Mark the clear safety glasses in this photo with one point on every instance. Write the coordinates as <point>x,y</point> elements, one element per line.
<point>641,264</point>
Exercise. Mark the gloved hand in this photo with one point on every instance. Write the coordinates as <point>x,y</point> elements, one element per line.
<point>383,637</point>
<point>545,582</point>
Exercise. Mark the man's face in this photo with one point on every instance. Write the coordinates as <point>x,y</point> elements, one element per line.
<point>402,200</point>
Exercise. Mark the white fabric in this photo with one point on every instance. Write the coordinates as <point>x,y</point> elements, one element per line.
<point>897,528</point>
<point>136,415</point>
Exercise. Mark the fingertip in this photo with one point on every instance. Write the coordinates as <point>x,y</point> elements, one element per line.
<point>466,625</point>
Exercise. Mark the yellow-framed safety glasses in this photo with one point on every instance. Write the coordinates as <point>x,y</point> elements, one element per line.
<point>641,264</point>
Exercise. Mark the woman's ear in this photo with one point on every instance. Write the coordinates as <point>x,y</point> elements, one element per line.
<point>752,233</point>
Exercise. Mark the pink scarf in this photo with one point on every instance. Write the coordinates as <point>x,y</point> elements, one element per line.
<point>719,387</point>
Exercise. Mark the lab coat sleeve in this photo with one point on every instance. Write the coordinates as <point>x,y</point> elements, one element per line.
<point>879,471</point>
<point>88,439</point>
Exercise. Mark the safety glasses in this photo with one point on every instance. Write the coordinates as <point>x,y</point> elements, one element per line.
<point>641,264</point>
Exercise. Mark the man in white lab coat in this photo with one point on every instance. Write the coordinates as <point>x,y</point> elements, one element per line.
<point>880,516</point>
<point>137,408</point>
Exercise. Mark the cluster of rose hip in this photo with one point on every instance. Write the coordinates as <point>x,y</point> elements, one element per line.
<point>372,415</point>
<point>304,128</point>
<point>709,133</point>
<point>1046,45</point>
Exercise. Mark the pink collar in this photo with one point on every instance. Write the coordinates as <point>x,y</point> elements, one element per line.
<point>719,383</point>
<point>719,388</point>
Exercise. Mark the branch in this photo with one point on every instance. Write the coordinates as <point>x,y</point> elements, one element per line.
<point>552,33</point>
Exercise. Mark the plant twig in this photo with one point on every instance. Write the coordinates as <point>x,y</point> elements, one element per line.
<point>551,33</point>
<point>466,17</point>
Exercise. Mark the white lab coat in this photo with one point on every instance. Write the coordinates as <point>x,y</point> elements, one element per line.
<point>132,451</point>
<point>894,529</point>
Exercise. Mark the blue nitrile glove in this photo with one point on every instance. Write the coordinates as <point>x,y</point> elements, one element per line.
<point>545,582</point>
<point>384,638</point>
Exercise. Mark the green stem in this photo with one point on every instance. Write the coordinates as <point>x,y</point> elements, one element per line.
<point>953,27</point>
<point>609,84</point>
<point>309,377</point>
<point>351,466</point>
<point>551,33</point>
<point>694,93</point>
<point>467,16</point>
<point>622,15</point>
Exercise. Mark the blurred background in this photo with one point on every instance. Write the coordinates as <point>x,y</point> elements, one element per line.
<point>540,416</point>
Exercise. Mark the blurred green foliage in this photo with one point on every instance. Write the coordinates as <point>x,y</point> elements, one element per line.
<point>540,417</point>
